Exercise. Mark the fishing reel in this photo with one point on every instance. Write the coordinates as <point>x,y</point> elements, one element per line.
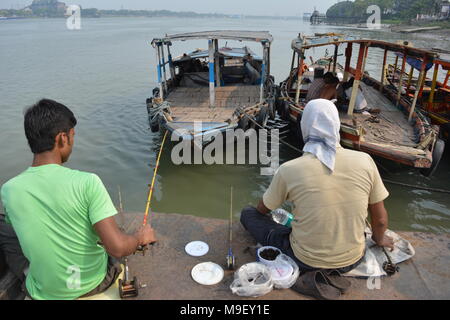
<point>390,268</point>
<point>231,262</point>
<point>142,249</point>
<point>128,288</point>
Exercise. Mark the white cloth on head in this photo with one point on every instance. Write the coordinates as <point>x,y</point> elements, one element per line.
<point>320,128</point>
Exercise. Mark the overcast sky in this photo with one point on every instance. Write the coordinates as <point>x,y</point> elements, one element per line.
<point>249,7</point>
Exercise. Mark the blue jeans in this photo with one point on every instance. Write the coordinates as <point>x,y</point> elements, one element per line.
<point>269,233</point>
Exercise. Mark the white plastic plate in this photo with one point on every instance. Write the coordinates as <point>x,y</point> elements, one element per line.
<point>207,273</point>
<point>196,248</point>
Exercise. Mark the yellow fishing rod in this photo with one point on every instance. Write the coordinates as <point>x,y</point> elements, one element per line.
<point>150,191</point>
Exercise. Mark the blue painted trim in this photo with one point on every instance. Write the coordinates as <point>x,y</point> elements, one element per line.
<point>211,72</point>
<point>159,73</point>
<point>263,73</point>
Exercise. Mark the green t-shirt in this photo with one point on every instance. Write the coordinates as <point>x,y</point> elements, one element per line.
<point>53,210</point>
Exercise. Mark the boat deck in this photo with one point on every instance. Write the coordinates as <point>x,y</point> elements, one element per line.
<point>393,127</point>
<point>192,104</point>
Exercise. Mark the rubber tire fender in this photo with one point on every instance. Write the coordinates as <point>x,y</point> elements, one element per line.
<point>438,151</point>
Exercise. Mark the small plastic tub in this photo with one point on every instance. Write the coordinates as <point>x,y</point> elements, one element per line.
<point>269,263</point>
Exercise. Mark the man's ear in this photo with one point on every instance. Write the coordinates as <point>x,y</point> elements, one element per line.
<point>61,139</point>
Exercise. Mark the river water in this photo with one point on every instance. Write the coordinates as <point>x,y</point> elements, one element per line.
<point>105,71</point>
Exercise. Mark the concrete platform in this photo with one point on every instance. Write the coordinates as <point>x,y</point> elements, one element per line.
<point>166,268</point>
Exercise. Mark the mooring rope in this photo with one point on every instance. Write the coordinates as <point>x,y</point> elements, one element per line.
<point>281,140</point>
<point>416,186</point>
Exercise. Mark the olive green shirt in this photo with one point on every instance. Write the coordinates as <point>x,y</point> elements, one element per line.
<point>330,208</point>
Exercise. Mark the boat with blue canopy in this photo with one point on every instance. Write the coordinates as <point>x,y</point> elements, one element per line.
<point>210,91</point>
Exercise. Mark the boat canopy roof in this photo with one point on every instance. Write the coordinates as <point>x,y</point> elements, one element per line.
<point>239,35</point>
<point>306,42</point>
<point>226,52</point>
<point>444,63</point>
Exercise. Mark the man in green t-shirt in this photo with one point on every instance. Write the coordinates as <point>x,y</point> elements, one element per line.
<point>60,214</point>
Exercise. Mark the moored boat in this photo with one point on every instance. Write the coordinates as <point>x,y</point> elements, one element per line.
<point>219,88</point>
<point>399,132</point>
<point>434,99</point>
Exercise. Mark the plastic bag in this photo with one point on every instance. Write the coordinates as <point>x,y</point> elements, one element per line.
<point>286,281</point>
<point>252,280</point>
<point>372,264</point>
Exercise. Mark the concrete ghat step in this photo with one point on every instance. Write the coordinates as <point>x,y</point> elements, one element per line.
<point>166,268</point>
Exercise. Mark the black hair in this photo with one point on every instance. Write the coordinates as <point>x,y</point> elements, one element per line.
<point>44,121</point>
<point>348,84</point>
<point>328,75</point>
<point>330,78</point>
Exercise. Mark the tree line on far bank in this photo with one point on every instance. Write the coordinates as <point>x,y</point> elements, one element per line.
<point>403,10</point>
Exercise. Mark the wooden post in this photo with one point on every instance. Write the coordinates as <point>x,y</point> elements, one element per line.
<point>358,76</point>
<point>263,73</point>
<point>158,57</point>
<point>366,52</point>
<point>410,76</point>
<point>446,78</point>
<point>433,87</point>
<point>164,65</point>
<point>418,88</point>
<point>212,92</point>
<point>299,75</point>
<point>400,80</point>
<point>293,60</point>
<point>422,83</point>
<point>348,57</point>
<point>336,48</point>
<point>172,68</point>
<point>395,67</point>
<point>383,71</point>
<point>216,62</point>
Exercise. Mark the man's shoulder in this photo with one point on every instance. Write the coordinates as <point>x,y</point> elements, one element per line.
<point>297,163</point>
<point>357,159</point>
<point>359,155</point>
<point>14,182</point>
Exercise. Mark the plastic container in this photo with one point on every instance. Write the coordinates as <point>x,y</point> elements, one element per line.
<point>269,263</point>
<point>284,279</point>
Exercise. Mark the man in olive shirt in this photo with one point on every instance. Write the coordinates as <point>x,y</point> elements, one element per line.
<point>332,189</point>
<point>60,214</point>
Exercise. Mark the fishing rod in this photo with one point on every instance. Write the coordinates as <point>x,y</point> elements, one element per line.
<point>230,256</point>
<point>150,191</point>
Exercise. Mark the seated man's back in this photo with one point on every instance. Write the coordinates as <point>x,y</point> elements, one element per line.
<point>315,89</point>
<point>330,209</point>
<point>53,210</point>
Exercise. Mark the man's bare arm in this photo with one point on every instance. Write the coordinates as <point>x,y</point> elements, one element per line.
<point>379,222</point>
<point>262,208</point>
<point>117,243</point>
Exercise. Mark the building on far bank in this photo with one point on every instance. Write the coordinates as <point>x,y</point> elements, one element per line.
<point>47,7</point>
<point>445,10</point>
